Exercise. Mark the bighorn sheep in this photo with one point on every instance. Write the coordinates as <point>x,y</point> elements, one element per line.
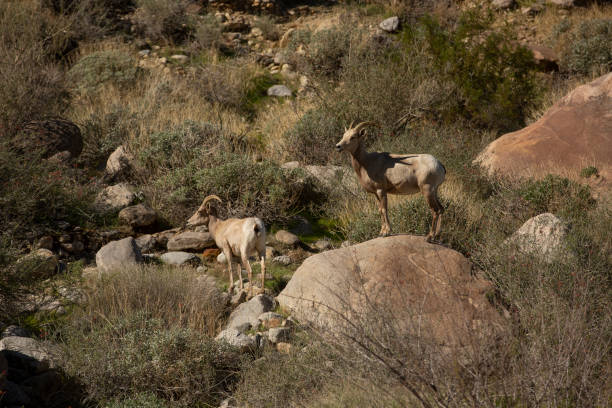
<point>238,237</point>
<point>381,173</point>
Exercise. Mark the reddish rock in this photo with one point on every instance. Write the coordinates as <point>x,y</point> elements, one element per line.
<point>573,134</point>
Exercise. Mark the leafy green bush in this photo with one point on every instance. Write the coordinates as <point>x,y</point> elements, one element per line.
<point>102,67</point>
<point>587,48</point>
<point>163,20</point>
<point>492,75</point>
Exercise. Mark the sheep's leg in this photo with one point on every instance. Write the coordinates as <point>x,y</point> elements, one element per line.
<point>385,230</point>
<point>228,257</point>
<point>262,260</point>
<point>247,265</point>
<point>436,211</point>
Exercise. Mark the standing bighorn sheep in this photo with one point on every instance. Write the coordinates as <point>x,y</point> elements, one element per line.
<point>382,173</point>
<point>239,237</point>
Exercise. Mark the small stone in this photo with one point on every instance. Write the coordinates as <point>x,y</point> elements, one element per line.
<point>279,91</point>
<point>211,253</point>
<point>221,258</point>
<point>390,24</point>
<point>201,269</point>
<point>45,242</point>
<point>114,198</point>
<point>279,334</point>
<point>136,216</point>
<point>284,348</point>
<point>179,258</point>
<point>256,31</point>
<point>144,53</point>
<point>271,319</point>
<point>502,4</point>
<point>287,238</point>
<point>282,259</point>
<point>323,244</point>
<point>237,339</point>
<point>180,58</point>
<point>270,252</point>
<point>118,163</point>
<point>146,242</point>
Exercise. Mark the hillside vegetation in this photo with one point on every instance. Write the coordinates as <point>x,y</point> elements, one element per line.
<point>182,86</point>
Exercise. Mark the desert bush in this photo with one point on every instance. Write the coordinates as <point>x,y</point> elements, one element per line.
<point>586,48</point>
<point>268,27</point>
<point>31,85</point>
<point>326,51</point>
<point>313,137</point>
<point>36,192</point>
<point>103,67</point>
<point>103,133</point>
<point>140,400</point>
<point>163,20</point>
<point>147,330</point>
<point>137,354</point>
<point>492,76</point>
<point>208,33</point>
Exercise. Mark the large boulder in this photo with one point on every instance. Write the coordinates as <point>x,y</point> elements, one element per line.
<point>542,235</point>
<point>190,241</point>
<point>118,254</point>
<point>573,134</point>
<point>420,286</point>
<point>50,137</point>
<point>237,339</point>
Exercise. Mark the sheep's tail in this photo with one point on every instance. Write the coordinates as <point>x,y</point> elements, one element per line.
<point>259,229</point>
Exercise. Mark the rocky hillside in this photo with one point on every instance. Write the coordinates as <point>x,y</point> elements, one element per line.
<point>117,118</point>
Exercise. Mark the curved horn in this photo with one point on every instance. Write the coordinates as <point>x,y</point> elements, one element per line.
<point>364,124</point>
<point>207,199</point>
<point>350,126</point>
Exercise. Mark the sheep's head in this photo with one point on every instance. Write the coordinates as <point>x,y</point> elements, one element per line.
<point>352,137</point>
<point>201,216</point>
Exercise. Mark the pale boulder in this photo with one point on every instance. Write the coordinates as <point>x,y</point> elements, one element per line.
<point>542,235</point>
<point>118,254</point>
<point>423,286</point>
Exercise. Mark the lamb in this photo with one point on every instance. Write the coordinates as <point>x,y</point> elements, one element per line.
<point>239,237</point>
<point>382,173</point>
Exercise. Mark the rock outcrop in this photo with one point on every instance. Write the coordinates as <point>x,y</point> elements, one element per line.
<point>137,216</point>
<point>190,241</point>
<point>50,137</point>
<point>573,134</point>
<point>423,287</point>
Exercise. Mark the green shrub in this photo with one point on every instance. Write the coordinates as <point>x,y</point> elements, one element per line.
<point>163,20</point>
<point>102,67</point>
<point>587,48</point>
<point>589,171</point>
<point>492,75</point>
